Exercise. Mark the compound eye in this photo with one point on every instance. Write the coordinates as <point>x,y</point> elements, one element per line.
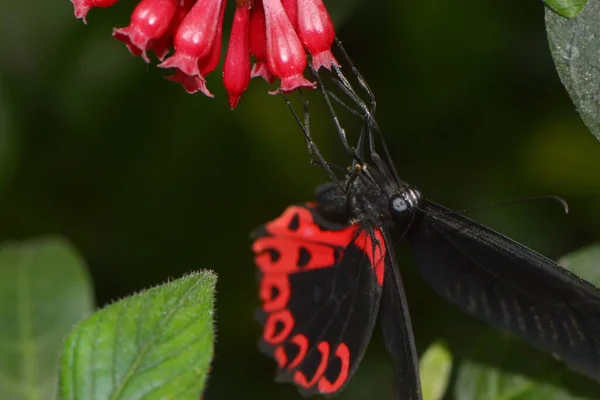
<point>399,204</point>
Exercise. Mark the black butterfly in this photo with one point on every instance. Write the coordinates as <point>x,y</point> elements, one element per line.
<point>328,266</point>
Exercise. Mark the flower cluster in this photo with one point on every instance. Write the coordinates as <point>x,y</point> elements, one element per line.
<point>277,34</point>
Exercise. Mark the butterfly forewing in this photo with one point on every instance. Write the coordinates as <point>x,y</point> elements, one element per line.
<point>509,286</point>
<point>321,285</point>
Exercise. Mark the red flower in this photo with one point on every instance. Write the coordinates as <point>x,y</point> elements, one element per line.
<point>291,10</point>
<point>195,36</point>
<point>162,45</point>
<point>258,43</point>
<point>83,6</point>
<point>150,21</point>
<point>316,32</point>
<point>191,84</point>
<point>277,33</point>
<point>236,71</point>
<point>285,55</point>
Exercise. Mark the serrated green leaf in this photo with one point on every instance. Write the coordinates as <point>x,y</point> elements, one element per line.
<point>44,291</point>
<point>566,8</point>
<point>584,262</point>
<point>575,46</point>
<point>156,344</point>
<point>435,367</point>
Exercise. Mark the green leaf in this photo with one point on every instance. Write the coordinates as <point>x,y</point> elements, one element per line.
<point>156,344</point>
<point>566,8</point>
<point>584,262</point>
<point>44,291</point>
<point>435,367</point>
<point>575,46</point>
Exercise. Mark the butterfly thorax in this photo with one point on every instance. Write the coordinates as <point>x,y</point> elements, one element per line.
<point>372,203</point>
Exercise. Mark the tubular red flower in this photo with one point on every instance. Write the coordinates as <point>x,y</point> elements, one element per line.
<point>291,10</point>
<point>236,71</point>
<point>195,36</point>
<point>208,64</point>
<point>82,7</point>
<point>316,32</point>
<point>258,43</point>
<point>279,34</point>
<point>285,55</point>
<point>163,44</point>
<point>191,84</point>
<point>150,20</point>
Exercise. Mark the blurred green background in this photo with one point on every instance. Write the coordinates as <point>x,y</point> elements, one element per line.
<point>149,182</point>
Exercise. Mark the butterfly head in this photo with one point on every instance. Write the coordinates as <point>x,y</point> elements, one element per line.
<point>404,201</point>
<point>374,199</point>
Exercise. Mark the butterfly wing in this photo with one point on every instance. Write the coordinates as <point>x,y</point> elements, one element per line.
<point>509,286</point>
<point>398,333</point>
<point>320,285</point>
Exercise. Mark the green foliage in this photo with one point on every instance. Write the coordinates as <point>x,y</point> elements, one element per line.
<point>576,51</point>
<point>566,8</point>
<point>584,262</point>
<point>157,344</point>
<point>44,291</point>
<point>435,368</point>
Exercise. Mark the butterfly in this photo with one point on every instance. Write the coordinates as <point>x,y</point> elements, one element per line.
<point>327,271</point>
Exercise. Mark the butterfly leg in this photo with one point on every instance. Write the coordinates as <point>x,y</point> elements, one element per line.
<point>313,150</point>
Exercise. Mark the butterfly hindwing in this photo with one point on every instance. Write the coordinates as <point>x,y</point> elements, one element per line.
<point>509,286</point>
<point>321,285</point>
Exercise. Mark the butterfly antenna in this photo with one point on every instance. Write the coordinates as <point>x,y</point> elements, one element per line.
<point>313,150</point>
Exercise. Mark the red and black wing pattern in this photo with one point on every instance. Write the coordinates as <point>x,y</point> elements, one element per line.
<point>320,286</point>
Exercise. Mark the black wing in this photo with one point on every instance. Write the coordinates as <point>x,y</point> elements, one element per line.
<point>509,286</point>
<point>321,289</point>
<point>398,333</point>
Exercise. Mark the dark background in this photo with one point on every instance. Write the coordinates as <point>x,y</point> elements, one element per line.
<point>150,183</point>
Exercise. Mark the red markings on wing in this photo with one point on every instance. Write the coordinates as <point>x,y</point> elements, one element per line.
<point>295,243</point>
<point>298,223</point>
<point>302,342</point>
<point>272,333</point>
<point>375,250</point>
<point>274,292</point>
<point>299,377</point>
<point>288,253</point>
<point>343,353</point>
<point>280,356</point>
